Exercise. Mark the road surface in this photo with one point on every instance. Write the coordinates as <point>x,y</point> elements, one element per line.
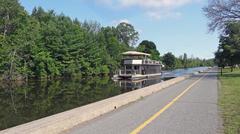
<point>189,107</point>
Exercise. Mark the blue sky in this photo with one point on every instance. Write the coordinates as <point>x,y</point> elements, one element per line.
<point>176,26</point>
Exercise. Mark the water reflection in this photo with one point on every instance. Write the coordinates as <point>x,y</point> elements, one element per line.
<point>24,102</point>
<point>127,85</point>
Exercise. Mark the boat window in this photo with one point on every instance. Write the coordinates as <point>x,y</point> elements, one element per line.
<point>136,67</point>
<point>128,67</point>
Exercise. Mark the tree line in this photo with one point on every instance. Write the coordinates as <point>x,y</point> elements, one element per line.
<point>43,44</point>
<point>225,17</point>
<point>169,60</point>
<point>172,62</point>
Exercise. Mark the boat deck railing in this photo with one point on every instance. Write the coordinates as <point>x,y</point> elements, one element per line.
<point>147,61</point>
<point>129,72</point>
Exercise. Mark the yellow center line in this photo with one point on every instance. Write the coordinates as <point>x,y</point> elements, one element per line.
<point>144,124</point>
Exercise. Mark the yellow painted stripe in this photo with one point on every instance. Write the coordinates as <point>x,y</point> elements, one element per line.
<point>144,124</point>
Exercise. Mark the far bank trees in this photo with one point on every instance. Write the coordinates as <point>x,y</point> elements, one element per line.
<point>169,60</point>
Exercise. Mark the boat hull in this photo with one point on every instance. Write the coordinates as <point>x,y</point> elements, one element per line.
<point>137,76</point>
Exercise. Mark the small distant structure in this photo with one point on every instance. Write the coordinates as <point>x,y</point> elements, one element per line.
<point>136,65</point>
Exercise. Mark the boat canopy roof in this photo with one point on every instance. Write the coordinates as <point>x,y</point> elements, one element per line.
<point>135,53</point>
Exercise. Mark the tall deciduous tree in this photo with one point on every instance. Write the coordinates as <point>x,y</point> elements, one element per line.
<point>12,15</point>
<point>169,60</point>
<point>127,34</point>
<point>149,47</point>
<point>221,12</point>
<point>185,60</point>
<point>229,45</point>
<point>13,21</point>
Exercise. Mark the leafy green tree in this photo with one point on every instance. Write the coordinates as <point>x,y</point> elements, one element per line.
<point>127,34</point>
<point>185,60</point>
<point>91,26</point>
<point>12,15</point>
<point>47,45</point>
<point>109,40</point>
<point>150,48</point>
<point>26,42</point>
<point>178,63</point>
<point>230,45</point>
<point>169,60</point>
<point>15,19</point>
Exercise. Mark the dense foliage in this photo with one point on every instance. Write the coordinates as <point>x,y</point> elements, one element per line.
<point>169,60</point>
<point>46,45</point>
<point>172,62</point>
<point>150,48</point>
<point>228,53</point>
<point>127,34</point>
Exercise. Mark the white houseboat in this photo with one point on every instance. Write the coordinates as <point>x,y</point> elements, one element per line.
<point>137,65</point>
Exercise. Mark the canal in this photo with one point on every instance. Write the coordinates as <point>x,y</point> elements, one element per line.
<point>25,102</point>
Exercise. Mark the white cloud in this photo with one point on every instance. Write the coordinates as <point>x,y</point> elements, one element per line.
<point>155,9</point>
<point>116,22</point>
<point>159,15</point>
<point>154,3</point>
<point>124,20</point>
<point>147,3</point>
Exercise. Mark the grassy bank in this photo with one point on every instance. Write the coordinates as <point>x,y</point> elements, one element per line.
<point>229,100</point>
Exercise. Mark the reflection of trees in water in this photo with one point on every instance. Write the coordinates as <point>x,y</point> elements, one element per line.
<point>20,103</point>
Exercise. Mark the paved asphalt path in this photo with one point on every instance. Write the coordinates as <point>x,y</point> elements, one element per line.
<point>195,112</point>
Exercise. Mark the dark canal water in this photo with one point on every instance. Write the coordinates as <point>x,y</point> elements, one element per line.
<point>25,102</point>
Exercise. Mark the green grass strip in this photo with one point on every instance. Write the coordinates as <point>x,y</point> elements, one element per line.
<point>229,100</point>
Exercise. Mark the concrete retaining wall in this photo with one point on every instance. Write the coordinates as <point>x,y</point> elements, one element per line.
<point>63,121</point>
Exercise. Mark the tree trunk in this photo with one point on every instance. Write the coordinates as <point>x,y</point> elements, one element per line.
<point>221,71</point>
<point>12,68</point>
<point>25,72</point>
<point>6,25</point>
